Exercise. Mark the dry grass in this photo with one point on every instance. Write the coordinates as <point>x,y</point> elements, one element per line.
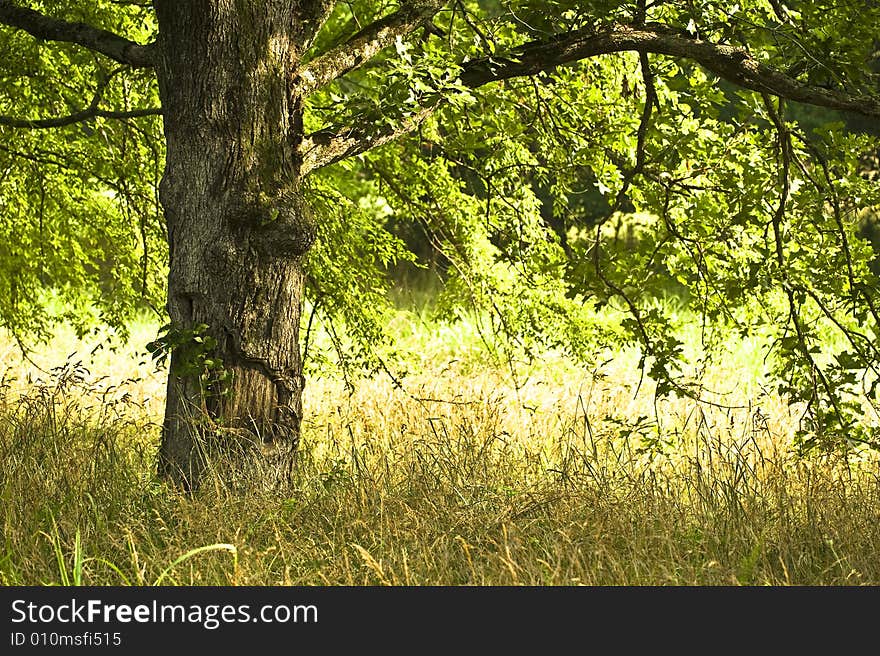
<point>569,478</point>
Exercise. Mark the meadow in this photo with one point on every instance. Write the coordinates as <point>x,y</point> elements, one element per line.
<point>467,470</point>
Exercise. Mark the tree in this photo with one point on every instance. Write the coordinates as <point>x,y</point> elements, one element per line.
<point>258,98</point>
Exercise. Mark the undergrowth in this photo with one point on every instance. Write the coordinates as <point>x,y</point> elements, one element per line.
<point>568,477</point>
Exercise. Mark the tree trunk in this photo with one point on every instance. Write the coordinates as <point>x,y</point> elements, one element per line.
<point>238,228</point>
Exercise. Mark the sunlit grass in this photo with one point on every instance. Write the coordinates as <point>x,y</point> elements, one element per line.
<point>464,471</point>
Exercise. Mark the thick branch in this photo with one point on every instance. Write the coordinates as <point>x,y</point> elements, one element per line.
<point>93,38</point>
<point>364,45</point>
<point>320,149</point>
<point>728,62</point>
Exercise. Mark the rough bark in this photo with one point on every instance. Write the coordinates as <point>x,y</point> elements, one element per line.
<point>237,228</point>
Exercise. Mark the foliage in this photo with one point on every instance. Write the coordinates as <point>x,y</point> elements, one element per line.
<point>523,189</point>
<point>194,355</point>
<point>81,227</point>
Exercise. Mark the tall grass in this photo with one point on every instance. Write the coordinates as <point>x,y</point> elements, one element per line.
<point>570,476</point>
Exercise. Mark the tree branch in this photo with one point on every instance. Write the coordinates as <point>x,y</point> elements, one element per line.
<point>322,148</point>
<point>641,135</point>
<point>92,111</point>
<point>728,62</point>
<point>78,117</point>
<point>53,29</point>
<point>364,45</point>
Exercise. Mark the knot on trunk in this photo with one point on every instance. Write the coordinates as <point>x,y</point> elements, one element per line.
<point>283,226</point>
<point>290,231</point>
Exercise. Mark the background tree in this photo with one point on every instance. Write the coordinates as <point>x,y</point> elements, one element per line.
<point>275,180</point>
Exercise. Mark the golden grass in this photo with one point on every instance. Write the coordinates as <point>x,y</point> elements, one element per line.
<point>569,477</point>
